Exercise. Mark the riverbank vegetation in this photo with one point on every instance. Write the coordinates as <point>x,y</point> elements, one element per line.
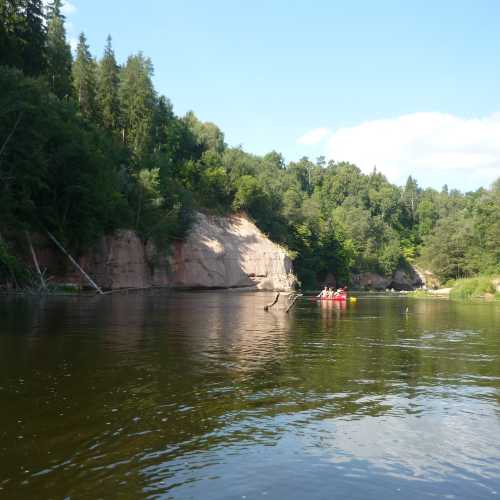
<point>473,288</point>
<point>88,145</point>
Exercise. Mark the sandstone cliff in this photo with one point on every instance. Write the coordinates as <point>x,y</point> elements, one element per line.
<point>226,252</point>
<point>219,252</point>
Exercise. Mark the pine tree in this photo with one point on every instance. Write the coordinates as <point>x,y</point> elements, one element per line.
<point>59,59</point>
<point>107,89</point>
<point>84,79</point>
<point>137,102</point>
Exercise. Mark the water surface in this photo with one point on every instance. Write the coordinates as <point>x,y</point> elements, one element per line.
<point>204,395</point>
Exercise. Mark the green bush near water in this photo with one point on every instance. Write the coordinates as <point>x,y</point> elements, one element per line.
<point>12,270</point>
<point>470,288</point>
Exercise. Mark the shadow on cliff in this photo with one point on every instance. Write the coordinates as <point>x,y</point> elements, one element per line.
<point>223,253</point>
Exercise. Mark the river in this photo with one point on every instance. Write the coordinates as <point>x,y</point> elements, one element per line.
<point>205,395</point>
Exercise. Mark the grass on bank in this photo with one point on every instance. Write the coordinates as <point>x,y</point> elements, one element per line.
<point>472,288</point>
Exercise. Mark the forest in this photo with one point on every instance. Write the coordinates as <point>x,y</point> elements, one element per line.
<point>87,146</point>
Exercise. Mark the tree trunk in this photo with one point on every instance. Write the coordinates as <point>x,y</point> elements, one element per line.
<point>35,260</point>
<point>75,263</point>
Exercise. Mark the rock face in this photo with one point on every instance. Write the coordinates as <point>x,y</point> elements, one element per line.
<point>404,278</point>
<point>370,281</point>
<point>429,280</point>
<point>227,252</point>
<point>219,252</point>
<point>118,261</point>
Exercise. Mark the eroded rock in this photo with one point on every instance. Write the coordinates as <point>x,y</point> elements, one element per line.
<point>370,281</point>
<point>227,252</point>
<point>406,278</point>
<point>219,252</point>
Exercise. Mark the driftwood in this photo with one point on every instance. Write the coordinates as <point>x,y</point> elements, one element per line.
<point>292,298</point>
<point>75,263</point>
<point>268,306</point>
<point>35,261</point>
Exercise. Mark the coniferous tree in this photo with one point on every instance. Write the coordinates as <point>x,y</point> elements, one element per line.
<point>137,102</point>
<point>10,15</point>
<point>84,79</point>
<point>107,89</point>
<point>22,35</point>
<point>59,59</point>
<point>34,36</point>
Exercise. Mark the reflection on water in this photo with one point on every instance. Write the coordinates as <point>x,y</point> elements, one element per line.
<point>205,395</point>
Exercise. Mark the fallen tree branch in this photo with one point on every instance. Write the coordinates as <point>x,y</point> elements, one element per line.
<point>35,261</point>
<point>268,306</point>
<point>293,298</point>
<point>75,263</point>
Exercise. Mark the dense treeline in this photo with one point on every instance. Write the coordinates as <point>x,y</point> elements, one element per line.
<point>88,146</point>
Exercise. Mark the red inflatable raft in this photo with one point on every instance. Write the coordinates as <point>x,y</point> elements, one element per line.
<point>338,298</point>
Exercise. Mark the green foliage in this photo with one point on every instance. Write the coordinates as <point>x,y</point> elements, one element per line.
<point>137,102</point>
<point>207,135</point>
<point>87,148</point>
<point>22,35</point>
<point>11,269</point>
<point>107,88</point>
<point>57,172</point>
<point>446,249</point>
<point>471,288</point>
<point>59,58</point>
<point>85,80</point>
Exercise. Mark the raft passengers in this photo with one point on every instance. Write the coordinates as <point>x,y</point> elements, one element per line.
<point>326,293</point>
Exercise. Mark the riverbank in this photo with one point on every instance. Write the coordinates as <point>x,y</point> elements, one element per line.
<point>217,253</point>
<point>479,287</point>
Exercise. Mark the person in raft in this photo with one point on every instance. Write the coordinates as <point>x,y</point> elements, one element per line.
<point>324,293</point>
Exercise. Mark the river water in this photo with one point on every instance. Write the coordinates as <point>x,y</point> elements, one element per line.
<point>205,395</point>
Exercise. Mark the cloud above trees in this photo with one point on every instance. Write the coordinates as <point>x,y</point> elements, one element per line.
<point>314,136</point>
<point>420,144</point>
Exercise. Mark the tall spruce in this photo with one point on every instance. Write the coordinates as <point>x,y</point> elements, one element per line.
<point>34,36</point>
<point>85,79</point>
<point>59,59</point>
<point>22,35</point>
<point>10,17</point>
<point>137,102</point>
<point>107,88</point>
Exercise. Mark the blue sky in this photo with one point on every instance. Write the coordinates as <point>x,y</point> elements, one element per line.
<point>408,87</point>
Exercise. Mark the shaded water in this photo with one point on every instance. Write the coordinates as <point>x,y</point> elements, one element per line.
<point>204,395</point>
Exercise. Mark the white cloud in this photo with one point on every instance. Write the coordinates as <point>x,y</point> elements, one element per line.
<point>68,8</point>
<point>314,136</point>
<point>73,42</point>
<point>426,145</point>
